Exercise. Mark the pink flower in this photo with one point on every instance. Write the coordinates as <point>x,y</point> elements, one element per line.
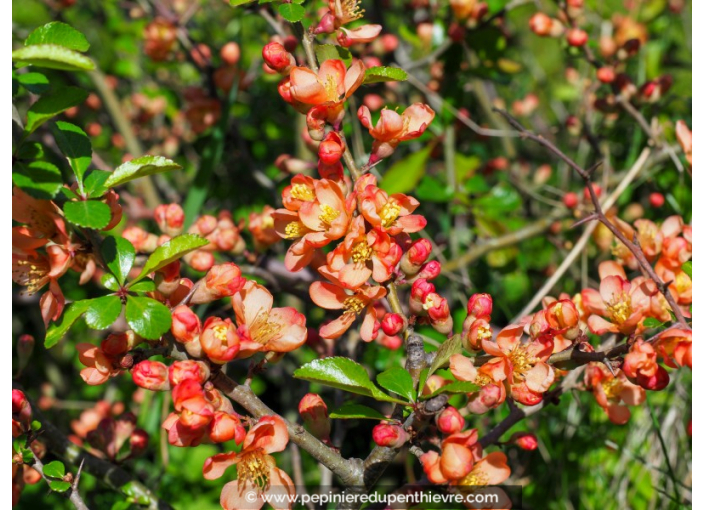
<point>392,128</point>
<point>256,469</point>
<point>613,393</point>
<point>459,451</point>
<point>390,213</point>
<point>265,329</point>
<point>335,297</point>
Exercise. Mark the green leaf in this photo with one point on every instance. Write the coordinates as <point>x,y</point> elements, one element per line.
<point>140,167</point>
<point>333,52</point>
<point>237,3</point>
<point>170,251</point>
<point>403,176</point>
<point>109,282</point>
<point>103,312</point>
<point>351,411</point>
<point>58,329</point>
<point>399,381</point>
<point>55,469</point>
<point>88,213</point>
<point>502,199</point>
<point>687,268</point>
<point>60,34</point>
<point>52,56</point>
<point>455,387</point>
<point>59,485</point>
<point>344,374</point>
<point>52,104</point>
<point>94,184</point>
<point>36,83</point>
<point>383,74</point>
<point>147,317</point>
<point>651,322</point>
<point>292,12</point>
<point>39,179</point>
<point>143,286</point>
<point>36,425</point>
<point>118,253</point>
<point>448,348</point>
<point>75,145</point>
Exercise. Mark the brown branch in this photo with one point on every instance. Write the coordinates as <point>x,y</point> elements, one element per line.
<point>646,268</point>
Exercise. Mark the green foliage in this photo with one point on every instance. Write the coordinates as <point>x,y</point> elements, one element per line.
<point>384,74</point>
<point>52,56</point>
<point>403,176</point>
<point>292,12</point>
<point>170,251</point>
<point>147,317</point>
<point>325,52</point>
<point>351,411</point>
<point>88,213</point>
<point>344,374</point>
<point>75,145</point>
<point>50,105</point>
<point>60,34</point>
<point>140,167</point>
<point>118,254</point>
<point>59,328</point>
<point>449,347</point>
<point>455,387</point>
<point>39,179</point>
<point>102,312</point>
<point>399,381</point>
<point>54,469</point>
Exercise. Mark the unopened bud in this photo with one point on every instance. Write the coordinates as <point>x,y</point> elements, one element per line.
<point>225,427</point>
<point>331,148</point>
<point>222,280</point>
<point>314,412</point>
<point>449,421</point>
<point>151,375</point>
<point>480,305</point>
<point>25,347</point>
<point>390,435</point>
<point>415,256</point>
<point>277,58</point>
<point>577,37</point>
<point>524,440</point>
<point>392,324</point>
<point>170,218</point>
<point>184,370</point>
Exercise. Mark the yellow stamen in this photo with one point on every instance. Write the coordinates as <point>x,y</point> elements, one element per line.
<point>220,333</point>
<point>475,477</point>
<point>361,252</point>
<point>521,360</point>
<point>389,213</point>
<point>302,192</point>
<point>264,330</point>
<point>254,467</point>
<point>328,214</point>
<point>620,308</point>
<point>353,304</point>
<point>294,230</point>
<point>612,388</point>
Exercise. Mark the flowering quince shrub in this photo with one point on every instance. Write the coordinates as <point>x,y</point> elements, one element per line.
<point>217,320</point>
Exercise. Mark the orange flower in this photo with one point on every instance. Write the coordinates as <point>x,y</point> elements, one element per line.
<point>490,377</point>
<point>392,128</point>
<point>641,364</point>
<point>675,347</point>
<point>390,213</point>
<point>265,329</point>
<point>459,452</point>
<point>612,392</point>
<point>362,255</point>
<point>256,468</point>
<point>261,225</point>
<point>489,470</point>
<point>527,374</point>
<point>336,297</point>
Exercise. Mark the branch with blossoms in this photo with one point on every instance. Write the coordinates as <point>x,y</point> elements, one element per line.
<point>185,313</point>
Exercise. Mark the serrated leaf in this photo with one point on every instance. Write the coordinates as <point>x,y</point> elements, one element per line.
<point>147,317</point>
<point>651,322</point>
<point>55,469</point>
<point>52,104</point>
<point>344,374</point>
<point>52,56</point>
<point>59,486</point>
<point>58,33</point>
<point>455,387</point>
<point>75,145</point>
<point>384,74</point>
<point>143,286</point>
<point>292,12</point>
<point>88,213</point>
<point>399,381</point>
<point>140,167</point>
<point>39,179</point>
<point>403,176</point>
<point>109,282</point>
<point>356,412</point>
<point>59,328</point>
<point>452,345</point>
<point>103,312</point>
<point>94,184</point>
<point>36,83</point>
<point>118,253</point>
<point>687,268</point>
<point>170,251</point>
<point>325,52</point>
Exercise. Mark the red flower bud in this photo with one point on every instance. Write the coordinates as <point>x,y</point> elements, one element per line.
<point>449,421</point>
<point>314,412</point>
<point>392,324</point>
<point>222,280</point>
<point>181,371</point>
<point>226,427</point>
<point>331,148</point>
<point>415,256</point>
<point>656,200</point>
<point>524,440</point>
<point>606,74</point>
<point>390,435</point>
<point>169,218</point>
<point>541,24</point>
<point>151,375</point>
<point>185,324</point>
<point>139,441</point>
<point>571,199</point>
<point>277,58</point>
<point>230,53</point>
<point>430,270</point>
<point>577,37</point>
<point>419,291</point>
<point>480,305</point>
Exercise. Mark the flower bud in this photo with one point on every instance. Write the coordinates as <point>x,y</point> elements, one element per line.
<point>419,291</point>
<point>331,148</point>
<point>277,58</point>
<point>142,240</point>
<point>390,435</point>
<point>656,382</point>
<point>577,37</point>
<point>185,324</point>
<point>117,344</point>
<point>200,260</point>
<point>571,200</point>
<point>220,340</point>
<point>606,74</point>
<point>314,412</point>
<point>151,375</point>
<point>230,53</point>
<point>226,427</point>
<point>480,305</point>
<point>524,440</point>
<point>439,312</point>
<point>488,397</point>
<point>541,24</point>
<point>657,200</point>
<point>327,25</point>
<point>25,347</point>
<point>221,281</point>
<point>478,330</point>
<point>430,270</point>
<point>449,421</point>
<point>170,218</point>
<point>181,371</point>
<point>415,256</point>
<point>393,324</point>
<point>139,441</point>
